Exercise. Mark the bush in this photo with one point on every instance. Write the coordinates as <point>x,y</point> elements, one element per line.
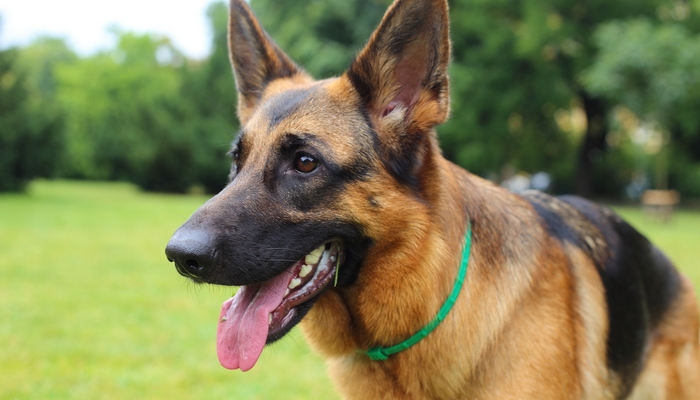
<point>30,143</point>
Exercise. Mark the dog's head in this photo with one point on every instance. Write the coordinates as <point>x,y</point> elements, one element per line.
<point>326,176</point>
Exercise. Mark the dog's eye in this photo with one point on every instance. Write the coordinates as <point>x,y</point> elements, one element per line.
<point>235,155</point>
<point>305,163</point>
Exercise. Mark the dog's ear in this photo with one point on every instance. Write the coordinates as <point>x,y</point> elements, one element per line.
<point>255,58</point>
<point>401,74</point>
<point>403,68</point>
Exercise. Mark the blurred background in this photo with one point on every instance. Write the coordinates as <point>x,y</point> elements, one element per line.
<point>601,96</point>
<point>100,126</point>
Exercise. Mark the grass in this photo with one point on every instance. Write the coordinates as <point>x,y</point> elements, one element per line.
<point>90,308</point>
<point>679,239</point>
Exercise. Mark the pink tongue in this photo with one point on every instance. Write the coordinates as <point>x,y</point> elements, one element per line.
<point>243,323</point>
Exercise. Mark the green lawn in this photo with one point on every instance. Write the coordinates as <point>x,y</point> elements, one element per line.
<point>679,238</point>
<point>91,309</point>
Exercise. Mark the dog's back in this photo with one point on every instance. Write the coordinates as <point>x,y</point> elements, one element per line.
<point>644,293</point>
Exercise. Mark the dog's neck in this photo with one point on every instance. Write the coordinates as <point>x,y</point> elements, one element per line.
<point>404,282</point>
<point>418,266</point>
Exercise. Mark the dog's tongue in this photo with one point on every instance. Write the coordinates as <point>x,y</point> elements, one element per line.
<point>243,323</point>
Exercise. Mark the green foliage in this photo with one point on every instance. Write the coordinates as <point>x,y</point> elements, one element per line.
<point>118,105</point>
<point>650,69</point>
<point>322,36</point>
<point>30,122</point>
<point>140,112</point>
<point>504,97</point>
<point>12,124</point>
<point>516,65</point>
<point>148,116</point>
<point>210,92</point>
<point>684,172</point>
<point>143,113</point>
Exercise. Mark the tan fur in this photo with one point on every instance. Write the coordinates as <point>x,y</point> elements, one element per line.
<point>672,370</point>
<point>530,322</point>
<point>591,329</point>
<point>521,346</point>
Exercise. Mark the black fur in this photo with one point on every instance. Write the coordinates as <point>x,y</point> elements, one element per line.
<point>258,244</point>
<point>404,163</point>
<point>283,105</point>
<point>253,238</point>
<point>363,87</point>
<point>640,283</point>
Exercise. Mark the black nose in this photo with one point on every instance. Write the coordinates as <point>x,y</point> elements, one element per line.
<point>192,252</point>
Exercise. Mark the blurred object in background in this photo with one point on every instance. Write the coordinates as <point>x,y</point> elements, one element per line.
<point>637,186</point>
<point>541,181</point>
<point>517,183</point>
<point>659,203</point>
<point>521,181</point>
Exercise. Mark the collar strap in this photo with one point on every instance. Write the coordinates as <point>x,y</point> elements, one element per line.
<point>382,353</point>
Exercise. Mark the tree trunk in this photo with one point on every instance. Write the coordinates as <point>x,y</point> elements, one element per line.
<point>593,145</point>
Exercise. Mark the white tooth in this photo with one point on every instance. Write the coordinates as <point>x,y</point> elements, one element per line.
<point>269,319</point>
<point>294,283</point>
<point>286,292</point>
<point>305,269</point>
<point>314,256</point>
<point>332,258</point>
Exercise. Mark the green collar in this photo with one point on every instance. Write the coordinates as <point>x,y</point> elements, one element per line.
<point>382,353</point>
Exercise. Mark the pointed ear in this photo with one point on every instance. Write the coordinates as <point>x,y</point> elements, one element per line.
<point>255,58</point>
<point>401,75</point>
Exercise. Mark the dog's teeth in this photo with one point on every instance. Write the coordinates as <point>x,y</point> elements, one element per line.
<point>294,283</point>
<point>269,319</point>
<point>305,269</point>
<point>286,292</point>
<point>314,256</point>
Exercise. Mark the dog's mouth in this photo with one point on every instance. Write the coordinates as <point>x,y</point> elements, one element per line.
<point>262,312</point>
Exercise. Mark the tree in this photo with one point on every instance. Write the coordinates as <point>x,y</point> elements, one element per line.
<point>39,61</point>
<point>652,70</point>
<point>13,125</point>
<point>322,36</point>
<point>516,69</point>
<point>31,126</point>
<point>148,115</point>
<point>143,112</point>
<point>118,106</point>
<point>516,64</point>
<point>210,91</point>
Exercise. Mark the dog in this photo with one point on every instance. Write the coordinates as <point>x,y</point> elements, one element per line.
<point>414,278</point>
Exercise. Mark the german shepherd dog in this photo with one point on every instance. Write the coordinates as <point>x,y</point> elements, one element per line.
<point>342,214</point>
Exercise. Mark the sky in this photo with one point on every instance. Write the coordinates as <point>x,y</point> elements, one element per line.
<point>85,23</point>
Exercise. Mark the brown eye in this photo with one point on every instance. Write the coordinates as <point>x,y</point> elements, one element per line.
<point>305,163</point>
<point>235,155</point>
